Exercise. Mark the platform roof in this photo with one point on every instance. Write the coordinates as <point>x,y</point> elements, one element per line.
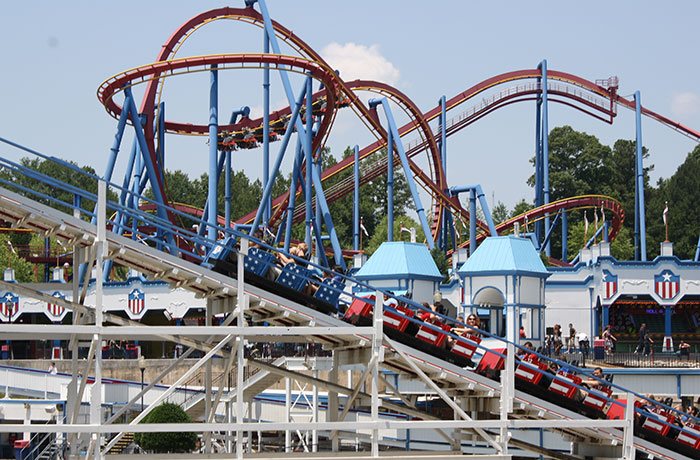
<point>400,260</point>
<point>504,255</point>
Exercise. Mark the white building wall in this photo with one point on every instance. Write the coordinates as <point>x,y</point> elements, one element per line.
<point>529,291</point>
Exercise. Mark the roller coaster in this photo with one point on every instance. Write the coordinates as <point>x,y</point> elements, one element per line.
<point>599,100</point>
<point>490,392</point>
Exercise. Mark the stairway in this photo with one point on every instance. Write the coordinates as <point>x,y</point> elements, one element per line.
<point>122,444</point>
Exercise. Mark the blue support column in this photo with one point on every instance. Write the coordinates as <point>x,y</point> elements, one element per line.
<point>407,170</point>
<point>292,198</point>
<point>161,136</point>
<point>317,211</point>
<point>227,185</point>
<point>283,147</point>
<point>593,332</point>
<point>270,33</point>
<point>668,337</point>
<point>472,221</point>
<point>564,237</point>
<point>390,187</point>
<point>309,160</point>
<point>149,166</point>
<point>323,210</point>
<point>545,148</point>
<point>114,150</point>
<point>482,200</point>
<point>213,151</point>
<point>538,165</point>
<point>640,217</point>
<point>356,201</point>
<point>266,131</point>
<point>442,241</point>
<point>606,316</point>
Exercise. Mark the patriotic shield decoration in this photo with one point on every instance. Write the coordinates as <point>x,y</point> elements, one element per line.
<point>609,284</point>
<point>55,309</point>
<point>666,284</point>
<point>137,301</point>
<point>9,306</point>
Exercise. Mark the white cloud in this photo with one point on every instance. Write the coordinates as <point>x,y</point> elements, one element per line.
<point>685,104</point>
<point>360,62</point>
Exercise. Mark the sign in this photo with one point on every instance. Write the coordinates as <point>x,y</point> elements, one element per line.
<point>54,309</point>
<point>666,284</point>
<point>9,306</point>
<point>137,301</point>
<point>609,284</point>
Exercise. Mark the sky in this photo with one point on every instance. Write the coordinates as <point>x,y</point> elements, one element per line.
<point>56,54</point>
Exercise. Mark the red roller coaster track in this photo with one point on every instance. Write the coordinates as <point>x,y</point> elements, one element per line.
<point>593,99</point>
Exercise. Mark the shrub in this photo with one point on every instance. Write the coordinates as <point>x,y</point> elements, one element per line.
<point>167,442</point>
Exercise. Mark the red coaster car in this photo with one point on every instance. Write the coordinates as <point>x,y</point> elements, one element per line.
<point>399,320</point>
<point>564,382</point>
<point>655,422</point>
<point>528,373</point>
<point>690,435</point>
<point>431,335</point>
<point>466,345</point>
<point>598,398</point>
<point>359,308</point>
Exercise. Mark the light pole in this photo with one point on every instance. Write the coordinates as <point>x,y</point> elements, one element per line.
<point>142,366</point>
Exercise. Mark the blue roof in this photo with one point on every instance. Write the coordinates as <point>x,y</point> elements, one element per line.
<point>400,260</point>
<point>505,255</point>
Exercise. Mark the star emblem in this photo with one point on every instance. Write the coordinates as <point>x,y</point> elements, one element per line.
<point>667,276</point>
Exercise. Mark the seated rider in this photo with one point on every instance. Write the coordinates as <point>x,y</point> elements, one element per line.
<point>299,251</point>
<point>524,353</point>
<point>597,383</point>
<point>428,316</point>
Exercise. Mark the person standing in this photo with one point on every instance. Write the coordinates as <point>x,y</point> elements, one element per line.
<point>572,338</point>
<point>642,335</point>
<point>583,343</point>
<point>609,339</point>
<point>52,368</point>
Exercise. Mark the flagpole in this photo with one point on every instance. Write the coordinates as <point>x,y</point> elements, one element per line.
<point>666,221</point>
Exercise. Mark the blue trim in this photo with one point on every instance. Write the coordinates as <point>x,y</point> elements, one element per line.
<point>505,273</point>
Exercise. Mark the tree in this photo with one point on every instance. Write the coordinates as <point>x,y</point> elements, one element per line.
<point>441,262</point>
<point>681,191</point>
<point>380,232</point>
<point>167,442</point>
<point>499,213</point>
<point>43,190</point>
<point>622,248</point>
<point>521,207</point>
<point>581,165</point>
<point>8,255</point>
<point>578,163</point>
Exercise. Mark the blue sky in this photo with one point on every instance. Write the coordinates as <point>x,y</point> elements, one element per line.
<point>56,54</point>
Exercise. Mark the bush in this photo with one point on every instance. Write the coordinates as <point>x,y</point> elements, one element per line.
<point>168,442</point>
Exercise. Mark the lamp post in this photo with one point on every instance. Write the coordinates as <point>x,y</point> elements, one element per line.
<point>142,366</point>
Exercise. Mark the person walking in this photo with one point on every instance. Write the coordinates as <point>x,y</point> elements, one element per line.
<point>642,335</point>
<point>648,343</point>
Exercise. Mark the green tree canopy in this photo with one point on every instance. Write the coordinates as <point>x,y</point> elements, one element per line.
<point>681,192</point>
